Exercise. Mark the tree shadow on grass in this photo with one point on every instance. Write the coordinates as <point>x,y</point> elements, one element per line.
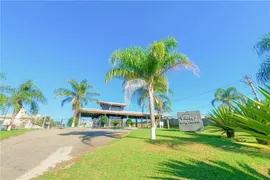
<point>211,140</point>
<point>218,142</point>
<point>199,170</point>
<point>87,136</point>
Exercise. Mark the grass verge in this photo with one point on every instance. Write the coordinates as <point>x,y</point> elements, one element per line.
<point>8,134</point>
<point>174,155</point>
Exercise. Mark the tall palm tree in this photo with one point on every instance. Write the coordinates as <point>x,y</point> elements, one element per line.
<point>263,48</point>
<point>79,95</point>
<point>227,96</point>
<point>161,100</point>
<point>26,95</point>
<point>163,104</point>
<point>140,67</point>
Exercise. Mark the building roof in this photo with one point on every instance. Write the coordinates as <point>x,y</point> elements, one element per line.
<point>112,103</point>
<point>92,111</point>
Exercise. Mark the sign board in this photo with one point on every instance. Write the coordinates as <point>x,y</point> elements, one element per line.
<point>190,121</point>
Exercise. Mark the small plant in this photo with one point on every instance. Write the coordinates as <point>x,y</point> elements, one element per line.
<point>104,120</point>
<point>129,122</point>
<point>115,123</point>
<point>253,117</point>
<point>220,118</point>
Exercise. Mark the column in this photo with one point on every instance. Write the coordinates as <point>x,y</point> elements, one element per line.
<point>80,117</point>
<point>136,122</point>
<point>168,123</point>
<point>123,122</point>
<point>141,123</point>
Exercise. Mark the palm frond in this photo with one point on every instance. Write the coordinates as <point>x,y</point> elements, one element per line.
<point>131,86</point>
<point>61,92</point>
<point>263,74</point>
<point>74,85</point>
<point>120,73</point>
<point>68,99</point>
<point>178,60</point>
<point>253,117</point>
<point>263,45</point>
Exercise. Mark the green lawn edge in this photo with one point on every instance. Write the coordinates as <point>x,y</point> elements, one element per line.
<point>174,155</point>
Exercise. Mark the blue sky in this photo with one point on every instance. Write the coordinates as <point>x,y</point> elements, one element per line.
<point>52,42</point>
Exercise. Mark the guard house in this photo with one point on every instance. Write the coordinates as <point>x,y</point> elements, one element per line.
<point>115,111</point>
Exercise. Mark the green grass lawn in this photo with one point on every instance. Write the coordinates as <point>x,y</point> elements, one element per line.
<point>8,134</point>
<point>174,155</point>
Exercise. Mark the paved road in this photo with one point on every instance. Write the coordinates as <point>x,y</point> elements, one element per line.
<point>31,154</point>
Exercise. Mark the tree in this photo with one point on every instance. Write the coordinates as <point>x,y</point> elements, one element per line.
<point>140,67</point>
<point>263,48</point>
<point>80,94</point>
<point>104,120</point>
<point>70,122</point>
<point>129,122</point>
<point>4,90</point>
<point>227,96</point>
<point>161,100</point>
<point>26,95</point>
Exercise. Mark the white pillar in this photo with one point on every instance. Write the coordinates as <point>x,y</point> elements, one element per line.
<point>80,117</point>
<point>153,133</point>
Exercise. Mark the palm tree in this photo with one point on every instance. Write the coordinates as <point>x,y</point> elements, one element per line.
<point>79,95</point>
<point>163,104</point>
<point>4,89</point>
<point>263,48</point>
<point>161,100</point>
<point>26,95</point>
<point>227,96</point>
<point>140,67</point>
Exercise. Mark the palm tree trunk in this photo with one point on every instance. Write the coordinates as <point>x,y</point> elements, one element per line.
<point>160,118</point>
<point>168,123</point>
<point>152,111</point>
<point>43,122</point>
<point>11,121</point>
<point>74,117</point>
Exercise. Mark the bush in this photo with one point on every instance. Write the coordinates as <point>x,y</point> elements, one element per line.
<point>253,117</point>
<point>70,120</point>
<point>104,120</point>
<point>220,118</point>
<point>129,121</point>
<point>115,123</point>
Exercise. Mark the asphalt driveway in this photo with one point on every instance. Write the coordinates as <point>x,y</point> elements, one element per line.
<point>33,153</point>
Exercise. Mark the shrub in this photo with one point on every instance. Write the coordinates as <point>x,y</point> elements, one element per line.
<point>70,120</point>
<point>129,121</point>
<point>104,120</point>
<point>115,123</point>
<point>253,117</point>
<point>220,118</point>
